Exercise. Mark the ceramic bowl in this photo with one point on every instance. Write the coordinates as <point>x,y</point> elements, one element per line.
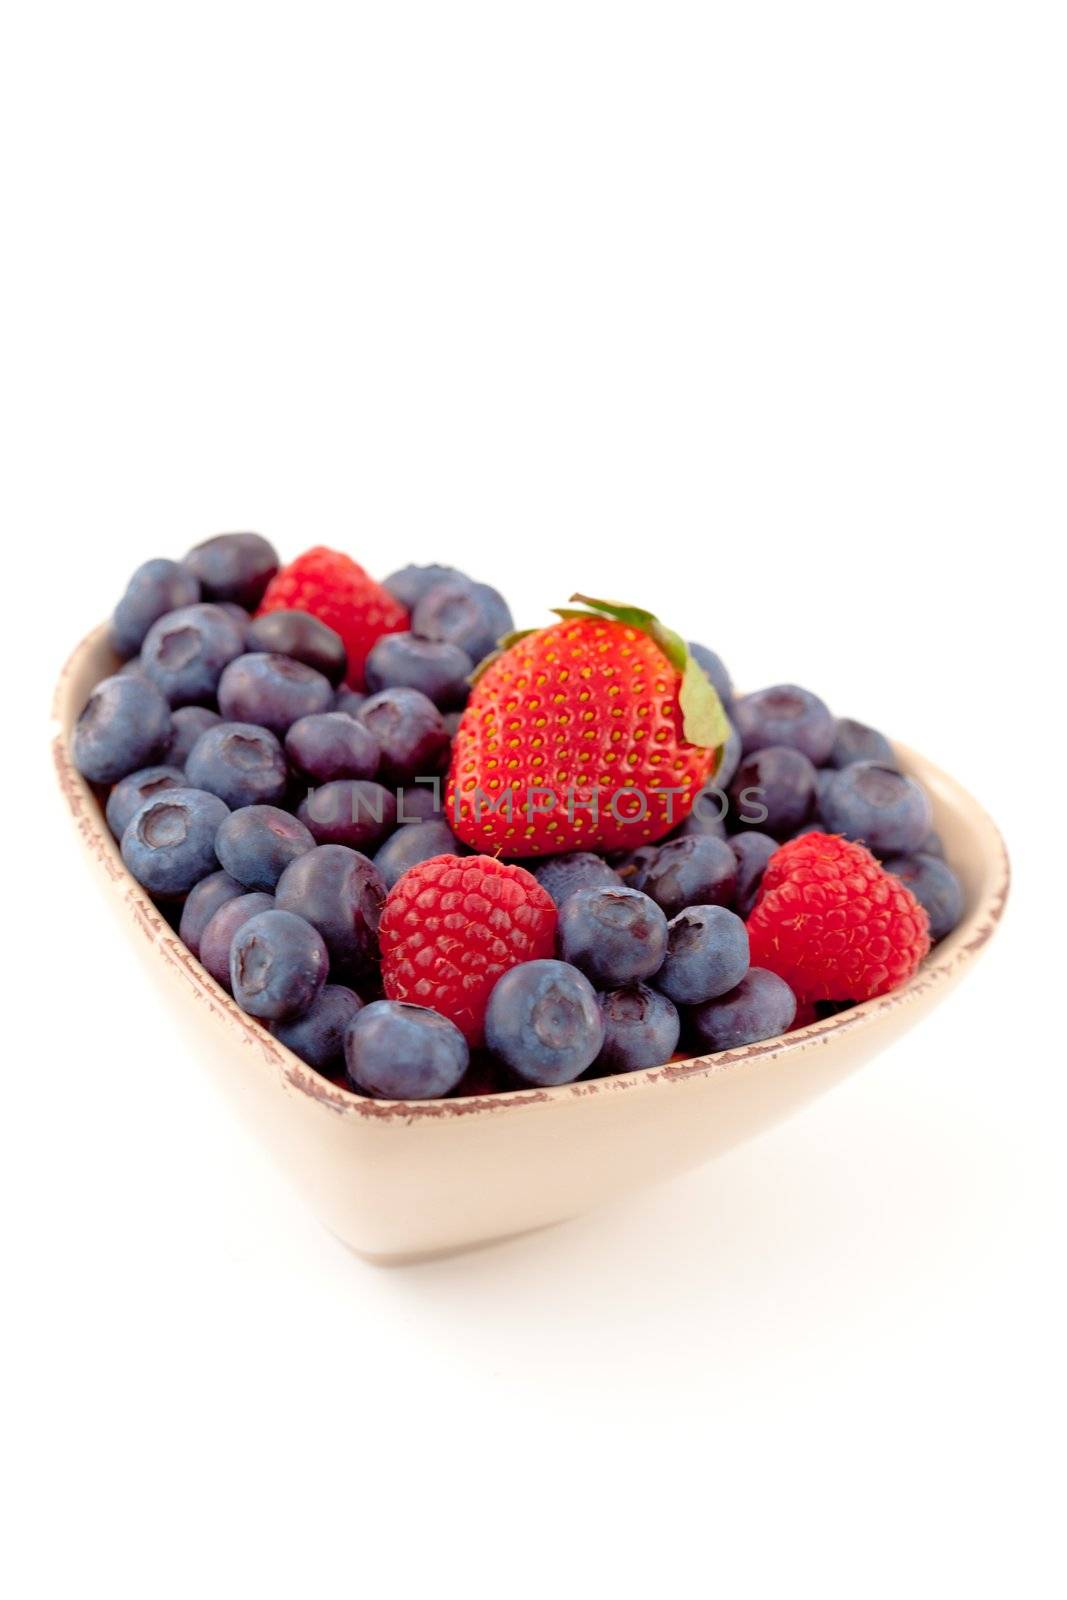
<point>401,1180</point>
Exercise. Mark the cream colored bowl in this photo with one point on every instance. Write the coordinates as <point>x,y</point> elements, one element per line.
<point>398,1180</point>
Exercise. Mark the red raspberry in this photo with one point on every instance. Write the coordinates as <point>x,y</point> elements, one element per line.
<point>833,923</point>
<point>453,925</point>
<point>805,1016</point>
<point>336,589</point>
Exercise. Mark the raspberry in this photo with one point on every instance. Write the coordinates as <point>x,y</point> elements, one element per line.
<point>453,925</point>
<point>806,1015</point>
<point>833,923</point>
<point>336,589</point>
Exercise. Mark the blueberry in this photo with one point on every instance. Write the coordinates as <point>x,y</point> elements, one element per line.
<point>729,761</point>
<point>237,614</point>
<point>234,566</point>
<point>472,615</point>
<point>185,652</point>
<point>706,815</point>
<point>697,871</point>
<point>641,1029</point>
<point>632,865</point>
<point>613,934</point>
<point>348,700</point>
<point>753,851</point>
<point>878,805</point>
<point>341,893</point>
<point>302,637</point>
<point>257,843</point>
<point>421,802</point>
<point>483,1076</point>
<point>823,779</point>
<point>278,965</point>
<point>761,1007</point>
<point>318,1037</point>
<point>935,886</point>
<point>331,744</point>
<point>785,715</point>
<point>932,845</point>
<point>714,671</point>
<point>410,732</point>
<point>131,793</point>
<point>561,876</point>
<point>773,790</point>
<point>125,726</point>
<point>186,726</point>
<point>201,903</point>
<point>155,588</point>
<point>272,691</point>
<point>349,811</point>
<point>216,941</point>
<point>402,1052</point>
<point>439,669</point>
<point>408,846</point>
<point>544,1023</point>
<point>411,583</point>
<point>239,762</point>
<point>452,720</point>
<point>169,843</point>
<point>854,741</point>
<point>707,954</point>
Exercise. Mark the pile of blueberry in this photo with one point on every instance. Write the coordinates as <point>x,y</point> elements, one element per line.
<point>268,809</point>
<point>654,944</point>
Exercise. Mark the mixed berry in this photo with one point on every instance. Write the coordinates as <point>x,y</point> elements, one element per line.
<point>436,856</point>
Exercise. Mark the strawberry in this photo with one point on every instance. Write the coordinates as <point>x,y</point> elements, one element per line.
<point>594,733</point>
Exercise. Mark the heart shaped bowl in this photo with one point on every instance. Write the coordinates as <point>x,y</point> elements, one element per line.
<point>403,1180</point>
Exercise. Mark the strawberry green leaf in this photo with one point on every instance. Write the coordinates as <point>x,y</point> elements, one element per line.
<point>703,718</point>
<point>619,609</point>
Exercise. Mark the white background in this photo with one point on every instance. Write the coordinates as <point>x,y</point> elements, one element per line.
<point>754,314</point>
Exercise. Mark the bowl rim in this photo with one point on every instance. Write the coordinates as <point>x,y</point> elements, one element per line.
<point>945,962</point>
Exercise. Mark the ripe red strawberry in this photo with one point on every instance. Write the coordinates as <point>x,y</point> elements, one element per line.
<point>453,925</point>
<point>336,589</point>
<point>594,733</point>
<point>833,923</point>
